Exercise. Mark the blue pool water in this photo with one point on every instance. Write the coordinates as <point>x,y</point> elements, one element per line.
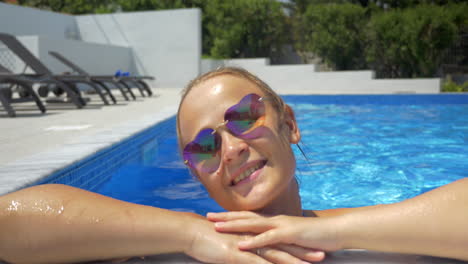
<point>361,150</point>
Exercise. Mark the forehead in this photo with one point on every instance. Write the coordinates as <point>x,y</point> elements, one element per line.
<point>205,104</point>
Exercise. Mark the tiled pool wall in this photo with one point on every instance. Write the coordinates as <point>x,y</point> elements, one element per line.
<point>95,170</point>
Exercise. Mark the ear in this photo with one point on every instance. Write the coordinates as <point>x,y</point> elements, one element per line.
<point>290,120</point>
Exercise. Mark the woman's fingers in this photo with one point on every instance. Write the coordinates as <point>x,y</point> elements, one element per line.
<point>277,256</point>
<point>257,225</point>
<point>228,216</point>
<point>302,253</point>
<point>270,237</point>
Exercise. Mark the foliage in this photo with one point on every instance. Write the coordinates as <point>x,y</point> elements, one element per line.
<point>108,6</point>
<point>450,86</point>
<point>410,42</point>
<point>414,3</point>
<point>335,33</point>
<point>144,5</point>
<point>245,28</point>
<point>73,6</point>
<point>409,39</point>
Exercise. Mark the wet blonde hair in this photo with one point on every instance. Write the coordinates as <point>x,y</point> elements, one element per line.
<point>274,98</point>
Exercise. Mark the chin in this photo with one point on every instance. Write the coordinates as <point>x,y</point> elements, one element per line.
<point>258,203</point>
<point>246,205</point>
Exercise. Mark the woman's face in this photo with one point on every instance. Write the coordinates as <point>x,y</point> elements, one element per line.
<point>266,161</point>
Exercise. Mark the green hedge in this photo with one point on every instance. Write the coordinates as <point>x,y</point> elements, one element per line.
<point>245,28</point>
<point>452,87</point>
<point>335,33</point>
<point>410,42</point>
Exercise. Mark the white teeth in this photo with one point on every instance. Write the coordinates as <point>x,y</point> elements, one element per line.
<point>246,174</point>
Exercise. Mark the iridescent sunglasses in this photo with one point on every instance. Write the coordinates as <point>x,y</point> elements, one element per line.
<point>241,119</point>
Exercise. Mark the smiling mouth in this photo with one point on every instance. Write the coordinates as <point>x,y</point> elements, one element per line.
<point>248,172</point>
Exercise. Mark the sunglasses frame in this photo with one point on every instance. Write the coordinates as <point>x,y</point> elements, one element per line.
<point>224,123</point>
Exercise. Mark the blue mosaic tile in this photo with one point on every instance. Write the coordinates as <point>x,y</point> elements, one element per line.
<point>93,171</point>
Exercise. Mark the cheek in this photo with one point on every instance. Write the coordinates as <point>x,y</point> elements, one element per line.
<point>212,185</point>
<point>286,155</point>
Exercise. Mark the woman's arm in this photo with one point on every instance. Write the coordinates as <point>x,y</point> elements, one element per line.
<point>434,223</point>
<point>61,224</point>
<point>58,223</point>
<point>336,211</point>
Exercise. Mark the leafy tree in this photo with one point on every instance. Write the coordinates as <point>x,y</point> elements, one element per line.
<point>335,33</point>
<point>410,42</point>
<point>245,28</point>
<point>413,3</point>
<point>108,6</point>
<point>73,6</point>
<point>407,40</point>
<point>144,5</point>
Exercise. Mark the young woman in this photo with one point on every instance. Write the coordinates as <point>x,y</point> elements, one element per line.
<point>235,135</point>
<point>58,223</point>
<point>237,142</point>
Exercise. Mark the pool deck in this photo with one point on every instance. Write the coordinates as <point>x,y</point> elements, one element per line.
<point>34,145</point>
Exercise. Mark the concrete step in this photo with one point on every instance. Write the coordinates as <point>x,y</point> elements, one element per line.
<point>303,78</point>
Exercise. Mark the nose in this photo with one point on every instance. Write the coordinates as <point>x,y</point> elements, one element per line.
<point>233,148</point>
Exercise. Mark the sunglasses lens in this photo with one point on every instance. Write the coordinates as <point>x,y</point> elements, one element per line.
<point>203,153</point>
<point>243,116</point>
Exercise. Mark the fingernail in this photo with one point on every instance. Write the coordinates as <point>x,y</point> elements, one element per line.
<point>316,254</point>
<point>219,224</point>
<point>209,214</point>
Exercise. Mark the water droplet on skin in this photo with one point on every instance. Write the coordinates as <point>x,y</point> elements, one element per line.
<point>14,206</point>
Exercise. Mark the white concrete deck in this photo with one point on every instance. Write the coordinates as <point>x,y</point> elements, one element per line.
<point>34,145</point>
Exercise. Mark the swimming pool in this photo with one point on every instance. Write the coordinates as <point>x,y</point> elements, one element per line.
<point>361,150</point>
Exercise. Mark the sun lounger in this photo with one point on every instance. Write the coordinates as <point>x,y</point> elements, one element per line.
<point>25,94</point>
<point>126,81</point>
<point>44,75</point>
<point>101,80</point>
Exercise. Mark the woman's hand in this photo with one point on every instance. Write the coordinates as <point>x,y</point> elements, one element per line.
<point>311,233</point>
<point>214,247</point>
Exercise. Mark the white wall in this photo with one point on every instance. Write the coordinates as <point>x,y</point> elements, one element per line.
<point>18,20</point>
<point>304,79</point>
<point>248,62</point>
<point>210,64</point>
<point>376,86</point>
<point>166,44</point>
<point>94,58</point>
